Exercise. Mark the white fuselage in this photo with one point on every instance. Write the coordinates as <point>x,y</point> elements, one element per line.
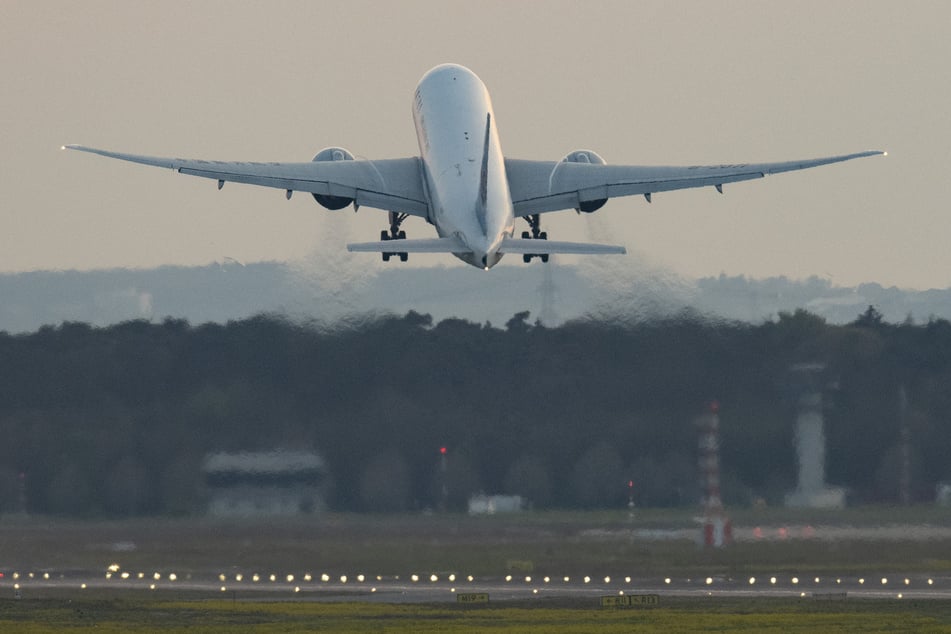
<point>451,108</point>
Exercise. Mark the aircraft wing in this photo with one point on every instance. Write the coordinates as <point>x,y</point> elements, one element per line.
<point>390,184</point>
<point>543,186</point>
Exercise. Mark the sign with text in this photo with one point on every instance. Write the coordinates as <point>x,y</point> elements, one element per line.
<point>630,601</point>
<point>472,597</point>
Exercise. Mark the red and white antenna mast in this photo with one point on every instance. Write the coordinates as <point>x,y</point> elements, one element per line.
<point>717,530</point>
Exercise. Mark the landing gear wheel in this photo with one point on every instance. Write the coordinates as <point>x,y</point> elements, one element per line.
<point>386,257</point>
<point>404,257</point>
<point>401,235</point>
<point>384,235</point>
<point>535,222</point>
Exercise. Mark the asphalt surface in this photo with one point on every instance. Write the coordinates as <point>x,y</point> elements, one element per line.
<point>427,588</point>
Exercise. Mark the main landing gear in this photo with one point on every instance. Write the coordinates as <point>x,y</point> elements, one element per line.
<point>535,222</point>
<point>396,219</point>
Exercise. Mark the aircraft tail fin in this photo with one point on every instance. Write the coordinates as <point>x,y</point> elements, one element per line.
<point>539,247</point>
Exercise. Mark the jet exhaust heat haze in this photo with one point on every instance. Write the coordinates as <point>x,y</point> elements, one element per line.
<point>462,183</point>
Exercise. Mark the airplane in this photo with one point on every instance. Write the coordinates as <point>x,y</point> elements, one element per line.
<point>462,183</point>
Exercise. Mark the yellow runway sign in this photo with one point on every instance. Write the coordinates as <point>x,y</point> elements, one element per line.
<point>630,601</point>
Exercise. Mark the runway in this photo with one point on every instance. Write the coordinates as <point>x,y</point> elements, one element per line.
<point>437,588</point>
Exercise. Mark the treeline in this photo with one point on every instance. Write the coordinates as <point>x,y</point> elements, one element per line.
<point>116,421</point>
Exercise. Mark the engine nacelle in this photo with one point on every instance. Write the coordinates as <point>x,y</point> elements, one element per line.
<point>586,156</point>
<point>333,154</point>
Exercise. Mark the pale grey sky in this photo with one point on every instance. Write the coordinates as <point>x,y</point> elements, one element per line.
<point>647,83</point>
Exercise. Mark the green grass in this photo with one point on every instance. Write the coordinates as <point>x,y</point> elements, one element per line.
<point>674,615</point>
<point>556,543</point>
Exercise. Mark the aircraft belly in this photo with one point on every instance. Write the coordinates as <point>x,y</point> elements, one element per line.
<point>451,113</point>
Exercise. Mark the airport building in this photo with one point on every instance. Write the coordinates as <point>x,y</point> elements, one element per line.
<point>259,484</point>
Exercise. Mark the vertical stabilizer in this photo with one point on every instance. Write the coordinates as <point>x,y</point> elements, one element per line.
<point>484,174</point>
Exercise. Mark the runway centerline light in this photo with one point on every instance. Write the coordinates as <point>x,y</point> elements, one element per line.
<point>607,580</point>
<point>361,578</point>
<point>290,578</point>
<point>884,580</point>
<point>343,578</point>
<point>414,578</point>
<point>325,577</point>
<point>433,578</point>
<point>709,580</point>
<point>667,580</point>
<point>752,580</point>
<point>627,580</point>
<point>469,578</point>
<point>452,578</point>
<point>587,579</point>
<point>255,577</point>
<point>528,579</point>
<point>772,580</point>
<point>795,580</point>
<point>508,578</point>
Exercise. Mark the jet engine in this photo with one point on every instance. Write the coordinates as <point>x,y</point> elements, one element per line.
<point>333,154</point>
<point>586,156</point>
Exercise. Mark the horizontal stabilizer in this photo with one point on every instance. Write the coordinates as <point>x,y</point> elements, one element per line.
<point>539,247</point>
<point>430,245</point>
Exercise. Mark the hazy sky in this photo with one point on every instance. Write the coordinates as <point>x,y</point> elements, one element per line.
<point>641,83</point>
